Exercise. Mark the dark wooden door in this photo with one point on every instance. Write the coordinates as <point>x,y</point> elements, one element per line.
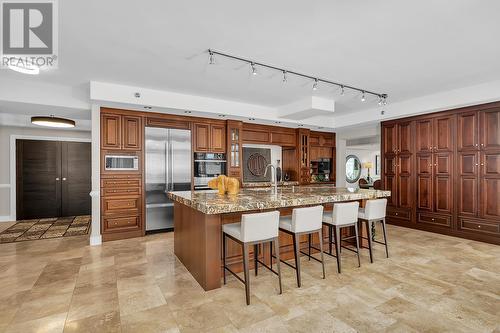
<point>390,184</point>
<point>424,136</point>
<point>443,133</point>
<point>489,129</point>
<point>38,179</point>
<point>389,139</point>
<point>132,133</point>
<point>467,131</point>
<point>53,179</point>
<point>76,178</point>
<point>404,137</point>
<point>468,166</point>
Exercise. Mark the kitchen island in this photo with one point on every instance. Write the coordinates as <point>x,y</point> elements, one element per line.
<point>199,215</point>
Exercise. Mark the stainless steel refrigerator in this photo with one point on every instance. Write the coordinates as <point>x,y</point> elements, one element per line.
<point>168,168</point>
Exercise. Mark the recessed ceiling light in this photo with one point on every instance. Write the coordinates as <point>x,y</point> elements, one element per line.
<point>187,112</point>
<point>30,70</point>
<point>251,118</point>
<point>222,115</point>
<point>277,122</point>
<point>148,107</point>
<point>52,121</point>
<point>300,125</point>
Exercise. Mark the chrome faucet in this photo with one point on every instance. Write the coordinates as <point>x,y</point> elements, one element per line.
<point>274,179</point>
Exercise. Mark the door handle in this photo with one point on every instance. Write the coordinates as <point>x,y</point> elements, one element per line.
<point>64,178</point>
<point>57,178</point>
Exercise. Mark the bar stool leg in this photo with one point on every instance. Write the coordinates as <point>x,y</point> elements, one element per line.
<point>309,238</point>
<point>277,246</point>
<point>255,258</point>
<point>224,255</point>
<point>247,275</point>
<point>357,243</point>
<point>296,250</point>
<point>330,239</point>
<point>385,238</point>
<point>337,246</point>
<point>370,245</point>
<point>271,254</point>
<point>320,233</point>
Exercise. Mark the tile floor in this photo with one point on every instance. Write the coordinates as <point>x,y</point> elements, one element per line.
<point>431,283</point>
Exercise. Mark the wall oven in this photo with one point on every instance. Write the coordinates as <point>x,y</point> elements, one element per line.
<point>206,167</point>
<point>121,163</point>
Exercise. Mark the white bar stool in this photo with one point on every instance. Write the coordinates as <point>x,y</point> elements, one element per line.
<point>254,229</point>
<point>304,221</point>
<point>343,215</point>
<point>374,211</point>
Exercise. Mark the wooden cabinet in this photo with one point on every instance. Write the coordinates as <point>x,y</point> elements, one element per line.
<point>456,171</point>
<point>234,149</point>
<point>322,139</point>
<point>121,132</point>
<point>111,129</point>
<point>209,137</point>
<point>303,148</point>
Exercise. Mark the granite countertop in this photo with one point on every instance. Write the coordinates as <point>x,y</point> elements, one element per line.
<point>210,202</point>
<point>269,184</point>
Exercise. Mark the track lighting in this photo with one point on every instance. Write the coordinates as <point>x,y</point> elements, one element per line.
<point>380,101</point>
<point>253,66</point>
<point>254,70</point>
<point>315,84</point>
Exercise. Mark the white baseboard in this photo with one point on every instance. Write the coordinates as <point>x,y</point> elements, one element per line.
<point>6,218</point>
<point>95,240</point>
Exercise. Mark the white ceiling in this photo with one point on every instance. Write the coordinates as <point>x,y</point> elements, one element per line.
<point>400,47</point>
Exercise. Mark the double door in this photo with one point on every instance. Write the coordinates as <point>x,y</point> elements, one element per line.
<point>434,150</point>
<point>398,160</point>
<point>479,164</point>
<point>53,179</point>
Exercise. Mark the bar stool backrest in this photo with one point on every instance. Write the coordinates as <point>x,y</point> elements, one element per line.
<point>375,209</point>
<point>345,213</point>
<point>307,219</point>
<point>259,226</point>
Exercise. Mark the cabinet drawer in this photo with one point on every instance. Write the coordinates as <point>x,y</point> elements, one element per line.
<point>110,191</point>
<point>434,219</point>
<point>120,182</point>
<point>121,223</point>
<point>121,205</point>
<point>480,226</point>
<point>399,213</point>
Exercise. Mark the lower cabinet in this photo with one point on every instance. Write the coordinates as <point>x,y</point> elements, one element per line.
<point>121,223</point>
<point>434,219</point>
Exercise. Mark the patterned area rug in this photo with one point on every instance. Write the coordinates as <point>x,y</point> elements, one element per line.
<point>46,228</point>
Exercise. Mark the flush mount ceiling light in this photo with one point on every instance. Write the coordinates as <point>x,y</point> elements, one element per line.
<point>285,72</point>
<point>30,70</point>
<point>52,121</point>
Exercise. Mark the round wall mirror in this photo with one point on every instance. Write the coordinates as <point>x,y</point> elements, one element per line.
<point>352,168</point>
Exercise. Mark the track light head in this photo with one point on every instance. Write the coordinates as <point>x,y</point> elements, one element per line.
<point>363,97</point>
<point>285,78</point>
<point>342,91</point>
<point>211,57</point>
<point>315,84</point>
<point>254,69</point>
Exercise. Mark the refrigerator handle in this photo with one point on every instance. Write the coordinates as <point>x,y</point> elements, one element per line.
<point>171,153</point>
<point>167,159</point>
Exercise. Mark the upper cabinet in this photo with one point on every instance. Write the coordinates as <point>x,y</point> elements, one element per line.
<point>467,131</point>
<point>262,134</point>
<point>389,139</point>
<point>397,138</point>
<point>490,129</point>
<point>479,130</point>
<point>209,137</point>
<point>435,134</point>
<point>121,132</point>
<point>322,139</point>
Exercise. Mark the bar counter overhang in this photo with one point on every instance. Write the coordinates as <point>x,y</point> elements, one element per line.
<point>199,216</point>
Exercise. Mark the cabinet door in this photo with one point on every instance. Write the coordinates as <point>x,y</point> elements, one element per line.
<point>424,192</point>
<point>467,131</point>
<point>424,136</point>
<point>132,132</point>
<point>201,137</point>
<point>405,193</point>
<point>443,164</point>
<point>404,137</point>
<point>490,164</point>
<point>217,138</point>
<point>404,165</point>
<point>443,194</point>
<point>111,131</point>
<point>390,184</point>
<point>489,129</point>
<point>443,133</point>
<point>490,192</point>
<point>390,165</point>
<point>424,164</point>
<point>389,139</point>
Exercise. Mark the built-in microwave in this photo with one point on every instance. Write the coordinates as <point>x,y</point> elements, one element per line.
<point>121,162</point>
<point>206,167</point>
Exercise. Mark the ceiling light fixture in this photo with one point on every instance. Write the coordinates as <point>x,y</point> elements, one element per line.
<point>52,121</point>
<point>287,72</point>
<point>363,97</point>
<point>30,70</point>
<point>342,91</point>
<point>187,112</point>
<point>211,58</point>
<point>315,84</point>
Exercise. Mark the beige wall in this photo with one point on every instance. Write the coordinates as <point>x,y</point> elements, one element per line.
<point>5,134</point>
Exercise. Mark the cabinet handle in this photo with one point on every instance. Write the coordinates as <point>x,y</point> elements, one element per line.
<point>482,164</point>
<point>482,145</point>
<point>64,178</point>
<point>476,144</point>
<point>479,226</point>
<point>57,178</point>
<point>433,219</point>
